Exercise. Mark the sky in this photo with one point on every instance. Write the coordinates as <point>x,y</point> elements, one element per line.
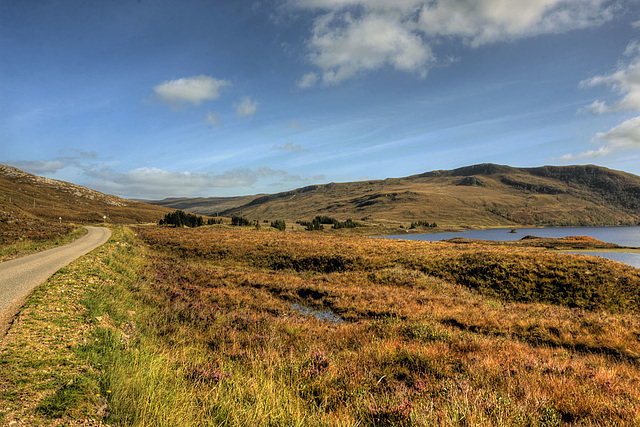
<point>155,98</point>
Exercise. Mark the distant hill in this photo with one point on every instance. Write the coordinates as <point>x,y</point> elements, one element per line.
<point>27,197</point>
<point>482,195</point>
<point>211,206</point>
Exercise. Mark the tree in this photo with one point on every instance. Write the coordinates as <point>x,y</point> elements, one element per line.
<point>182,219</point>
<point>239,221</point>
<point>279,224</point>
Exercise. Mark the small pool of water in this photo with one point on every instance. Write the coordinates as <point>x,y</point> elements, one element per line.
<point>325,315</point>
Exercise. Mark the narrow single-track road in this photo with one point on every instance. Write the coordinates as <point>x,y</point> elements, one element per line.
<point>19,276</point>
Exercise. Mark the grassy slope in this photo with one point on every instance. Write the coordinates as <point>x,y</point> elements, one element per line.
<point>199,329</point>
<point>203,205</point>
<point>40,240</point>
<point>32,198</point>
<point>30,208</point>
<point>475,196</point>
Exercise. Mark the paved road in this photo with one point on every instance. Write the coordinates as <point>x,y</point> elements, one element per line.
<point>19,276</point>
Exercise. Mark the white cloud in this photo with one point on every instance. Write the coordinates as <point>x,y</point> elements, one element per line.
<point>632,49</point>
<point>160,183</point>
<point>602,151</point>
<point>213,119</point>
<point>480,22</point>
<point>308,80</point>
<point>625,136</point>
<point>626,81</point>
<point>39,166</point>
<point>354,36</point>
<point>343,46</point>
<point>192,90</point>
<point>246,107</point>
<point>596,107</point>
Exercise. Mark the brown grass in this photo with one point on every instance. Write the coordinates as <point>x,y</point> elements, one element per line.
<point>410,348</point>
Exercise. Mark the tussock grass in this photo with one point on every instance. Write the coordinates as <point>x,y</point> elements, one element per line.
<point>219,342</point>
<point>509,273</point>
<point>199,328</point>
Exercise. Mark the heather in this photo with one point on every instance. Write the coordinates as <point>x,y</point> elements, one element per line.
<point>232,327</point>
<point>405,346</point>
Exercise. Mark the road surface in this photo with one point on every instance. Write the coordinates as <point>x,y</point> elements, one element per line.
<point>19,276</point>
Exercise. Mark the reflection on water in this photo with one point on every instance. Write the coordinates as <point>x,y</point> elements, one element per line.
<point>623,236</point>
<point>325,315</point>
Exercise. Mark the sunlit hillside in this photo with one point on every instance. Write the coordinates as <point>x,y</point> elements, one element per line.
<point>476,196</point>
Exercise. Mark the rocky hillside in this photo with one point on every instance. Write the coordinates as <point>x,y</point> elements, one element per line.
<point>31,198</point>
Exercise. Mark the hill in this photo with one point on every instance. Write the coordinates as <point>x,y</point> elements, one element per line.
<point>482,195</point>
<point>211,206</point>
<point>30,206</point>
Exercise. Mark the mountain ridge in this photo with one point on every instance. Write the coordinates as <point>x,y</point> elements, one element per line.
<point>482,195</point>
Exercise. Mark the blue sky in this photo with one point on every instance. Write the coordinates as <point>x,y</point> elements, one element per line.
<point>154,99</point>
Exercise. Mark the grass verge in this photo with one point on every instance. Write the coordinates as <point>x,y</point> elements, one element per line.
<point>29,246</point>
<point>46,375</point>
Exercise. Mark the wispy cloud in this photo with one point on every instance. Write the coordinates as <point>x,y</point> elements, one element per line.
<point>74,157</point>
<point>246,107</point>
<point>596,107</point>
<point>625,136</point>
<point>308,80</point>
<point>626,82</point>
<point>293,124</point>
<point>289,146</point>
<point>193,90</point>
<point>157,183</point>
<point>39,166</point>
<point>213,118</point>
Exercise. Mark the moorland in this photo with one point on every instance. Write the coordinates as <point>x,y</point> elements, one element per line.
<point>254,325</point>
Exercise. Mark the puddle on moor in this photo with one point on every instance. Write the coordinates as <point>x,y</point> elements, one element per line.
<point>325,315</point>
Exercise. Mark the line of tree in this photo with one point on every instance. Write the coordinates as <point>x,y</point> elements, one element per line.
<point>312,225</point>
<point>240,221</point>
<point>279,224</point>
<point>182,219</point>
<point>423,224</point>
<point>319,221</point>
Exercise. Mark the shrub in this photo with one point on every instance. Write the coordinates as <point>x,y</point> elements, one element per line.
<point>279,224</point>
